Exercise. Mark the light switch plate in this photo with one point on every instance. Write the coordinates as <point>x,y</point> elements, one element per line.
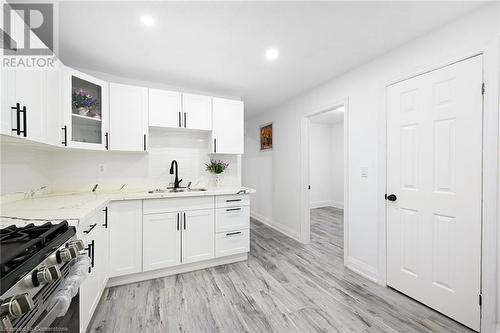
<point>364,172</point>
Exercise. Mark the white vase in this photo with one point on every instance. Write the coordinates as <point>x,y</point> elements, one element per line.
<point>218,179</point>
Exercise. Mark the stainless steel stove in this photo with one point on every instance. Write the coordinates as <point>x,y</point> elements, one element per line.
<point>35,260</point>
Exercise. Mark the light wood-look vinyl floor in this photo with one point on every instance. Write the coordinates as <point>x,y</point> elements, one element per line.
<point>285,286</point>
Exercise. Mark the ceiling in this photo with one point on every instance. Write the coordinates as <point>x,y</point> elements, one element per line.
<point>330,117</point>
<point>218,47</point>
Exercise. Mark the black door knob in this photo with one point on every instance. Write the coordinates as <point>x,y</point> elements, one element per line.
<point>391,197</point>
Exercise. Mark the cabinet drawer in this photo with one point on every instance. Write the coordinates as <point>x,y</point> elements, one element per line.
<point>228,243</point>
<point>154,206</point>
<point>233,200</point>
<point>232,218</point>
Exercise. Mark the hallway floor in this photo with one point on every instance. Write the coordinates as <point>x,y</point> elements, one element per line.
<point>284,286</point>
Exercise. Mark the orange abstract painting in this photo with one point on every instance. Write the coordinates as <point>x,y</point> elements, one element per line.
<point>266,137</point>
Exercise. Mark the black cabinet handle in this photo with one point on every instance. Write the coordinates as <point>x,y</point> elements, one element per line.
<point>232,209</point>
<point>180,119</point>
<point>233,200</point>
<point>185,120</point>
<point>90,251</point>
<point>391,197</point>
<point>93,254</point>
<point>106,137</point>
<point>25,120</point>
<point>105,225</point>
<point>215,145</point>
<point>144,142</point>
<point>184,220</point>
<point>92,226</point>
<point>178,221</point>
<point>233,233</point>
<point>18,119</point>
<point>65,130</point>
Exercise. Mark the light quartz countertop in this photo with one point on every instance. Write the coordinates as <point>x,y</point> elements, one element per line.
<point>78,206</point>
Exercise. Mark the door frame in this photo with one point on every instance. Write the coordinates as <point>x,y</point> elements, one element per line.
<point>305,209</point>
<point>490,181</point>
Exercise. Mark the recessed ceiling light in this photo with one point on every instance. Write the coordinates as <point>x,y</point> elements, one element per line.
<point>272,54</point>
<point>147,20</point>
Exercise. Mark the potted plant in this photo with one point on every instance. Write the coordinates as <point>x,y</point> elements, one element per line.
<point>217,168</point>
<point>84,104</point>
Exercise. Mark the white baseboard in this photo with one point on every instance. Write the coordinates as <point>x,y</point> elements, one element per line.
<point>362,268</point>
<point>327,203</point>
<point>131,278</point>
<point>285,230</point>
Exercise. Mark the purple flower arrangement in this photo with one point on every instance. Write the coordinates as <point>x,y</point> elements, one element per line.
<point>82,99</point>
<point>216,166</point>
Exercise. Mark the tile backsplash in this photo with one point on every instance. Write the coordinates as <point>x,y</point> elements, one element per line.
<point>26,169</point>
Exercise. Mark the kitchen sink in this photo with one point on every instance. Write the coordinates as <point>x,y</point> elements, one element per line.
<point>176,190</point>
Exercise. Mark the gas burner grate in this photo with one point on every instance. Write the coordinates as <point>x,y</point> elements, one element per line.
<point>23,248</point>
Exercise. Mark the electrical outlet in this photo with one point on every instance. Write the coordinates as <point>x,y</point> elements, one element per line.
<point>101,168</point>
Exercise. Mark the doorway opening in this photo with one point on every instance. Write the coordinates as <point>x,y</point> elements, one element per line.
<point>324,179</point>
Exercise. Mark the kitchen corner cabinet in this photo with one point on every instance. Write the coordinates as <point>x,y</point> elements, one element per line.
<point>85,111</point>
<point>125,237</point>
<point>31,104</point>
<point>94,233</point>
<point>227,126</point>
<point>128,117</point>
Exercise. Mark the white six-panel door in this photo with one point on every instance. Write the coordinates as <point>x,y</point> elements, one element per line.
<point>434,143</point>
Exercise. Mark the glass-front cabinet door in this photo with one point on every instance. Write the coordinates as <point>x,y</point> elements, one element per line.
<point>86,111</point>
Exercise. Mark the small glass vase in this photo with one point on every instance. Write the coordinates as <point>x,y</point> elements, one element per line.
<point>218,179</point>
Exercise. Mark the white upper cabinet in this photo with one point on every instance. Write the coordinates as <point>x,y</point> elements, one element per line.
<point>23,109</point>
<point>31,104</point>
<point>128,117</point>
<point>53,106</point>
<point>227,123</point>
<point>165,108</point>
<point>197,111</point>
<point>85,111</point>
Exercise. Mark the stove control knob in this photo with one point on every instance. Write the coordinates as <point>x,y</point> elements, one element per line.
<point>66,254</point>
<point>80,246</point>
<point>6,325</point>
<point>45,275</point>
<point>16,306</point>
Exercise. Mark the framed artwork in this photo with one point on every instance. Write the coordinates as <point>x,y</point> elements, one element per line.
<point>266,136</point>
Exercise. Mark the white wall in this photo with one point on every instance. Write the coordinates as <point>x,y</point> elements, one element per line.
<point>276,175</point>
<point>326,158</point>
<point>320,164</point>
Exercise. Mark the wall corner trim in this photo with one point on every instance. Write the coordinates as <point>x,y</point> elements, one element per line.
<point>276,226</point>
<point>362,269</point>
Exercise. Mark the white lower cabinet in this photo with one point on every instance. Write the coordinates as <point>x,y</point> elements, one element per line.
<point>125,237</point>
<point>232,218</point>
<point>233,242</point>
<point>161,241</point>
<point>198,231</point>
<point>94,234</point>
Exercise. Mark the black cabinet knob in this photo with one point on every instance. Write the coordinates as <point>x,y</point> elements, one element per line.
<point>391,197</point>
